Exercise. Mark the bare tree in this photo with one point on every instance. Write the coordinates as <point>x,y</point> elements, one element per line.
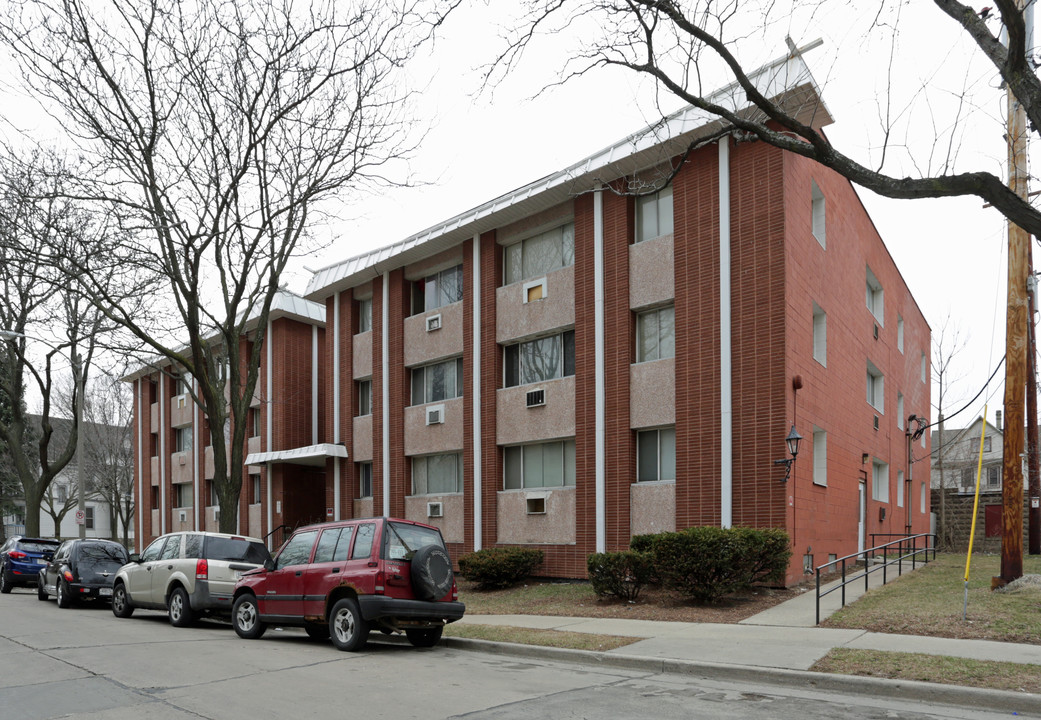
<point>108,451</point>
<point>947,344</point>
<point>220,133</point>
<point>680,46</point>
<point>47,323</point>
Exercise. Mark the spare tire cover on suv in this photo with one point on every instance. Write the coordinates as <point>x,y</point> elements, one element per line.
<point>431,572</point>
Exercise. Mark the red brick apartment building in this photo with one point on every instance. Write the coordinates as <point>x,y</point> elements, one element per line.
<point>568,365</point>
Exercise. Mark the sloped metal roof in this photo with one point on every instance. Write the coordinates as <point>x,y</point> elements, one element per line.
<point>313,455</point>
<point>788,80</point>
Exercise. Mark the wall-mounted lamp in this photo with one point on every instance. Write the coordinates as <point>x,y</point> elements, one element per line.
<point>863,459</point>
<point>792,441</point>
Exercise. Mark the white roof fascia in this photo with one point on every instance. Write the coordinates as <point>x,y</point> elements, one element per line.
<point>309,455</point>
<point>638,151</point>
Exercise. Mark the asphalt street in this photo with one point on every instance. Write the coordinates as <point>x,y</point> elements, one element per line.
<point>85,663</point>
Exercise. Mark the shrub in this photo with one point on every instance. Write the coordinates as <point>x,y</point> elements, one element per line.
<point>622,574</point>
<point>708,563</point>
<point>499,567</point>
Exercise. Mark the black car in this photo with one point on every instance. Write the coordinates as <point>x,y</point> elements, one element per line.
<point>82,569</point>
<point>21,559</point>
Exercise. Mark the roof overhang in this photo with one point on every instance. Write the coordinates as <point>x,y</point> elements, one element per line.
<point>787,81</point>
<point>313,455</point>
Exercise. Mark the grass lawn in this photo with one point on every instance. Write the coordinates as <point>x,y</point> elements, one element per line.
<point>930,601</point>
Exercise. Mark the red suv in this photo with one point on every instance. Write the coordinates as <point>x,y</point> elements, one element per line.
<point>341,579</point>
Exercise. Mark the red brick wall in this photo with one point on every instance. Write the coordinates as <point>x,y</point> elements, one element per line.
<point>491,379</point>
<point>400,390</point>
<point>377,394</point>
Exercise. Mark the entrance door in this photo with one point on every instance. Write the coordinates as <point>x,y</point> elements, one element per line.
<point>861,517</point>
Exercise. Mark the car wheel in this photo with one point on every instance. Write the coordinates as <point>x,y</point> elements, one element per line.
<point>62,594</point>
<point>427,637</point>
<point>41,591</point>
<point>5,582</point>
<point>431,572</point>
<point>121,606</point>
<point>348,629</point>
<point>245,617</point>
<point>180,609</point>
<point>317,632</point>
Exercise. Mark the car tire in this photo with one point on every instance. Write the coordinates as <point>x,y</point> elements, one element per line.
<point>426,637</point>
<point>41,591</point>
<point>347,628</point>
<point>245,617</point>
<point>61,594</point>
<point>121,605</point>
<point>5,581</point>
<point>316,631</point>
<point>179,608</point>
<point>431,572</point>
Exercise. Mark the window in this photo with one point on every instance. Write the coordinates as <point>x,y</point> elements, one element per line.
<point>820,457</point>
<point>921,498</point>
<point>153,444</point>
<point>182,497</point>
<point>656,334</point>
<point>254,483</point>
<point>254,422</point>
<point>333,545</point>
<point>363,540</point>
<point>900,410</point>
<point>820,335</point>
<point>654,215</point>
<point>817,206</point>
<point>542,359</point>
<point>298,550</point>
<point>181,385</point>
<point>899,488</point>
<point>211,493</point>
<point>993,476</point>
<point>437,474</point>
<point>541,465</point>
<point>656,455</point>
<point>986,443</point>
<point>63,494</point>
<point>540,254</point>
<point>153,550</point>
<point>875,297</point>
<point>922,369</point>
<point>193,546</point>
<point>365,480</point>
<point>875,387</point>
<point>437,290</point>
<point>88,517</point>
<point>183,439</point>
<point>364,398</point>
<point>365,315</point>
<point>172,549</point>
<point>879,481</point>
<point>440,381</point>
<point>899,333</point>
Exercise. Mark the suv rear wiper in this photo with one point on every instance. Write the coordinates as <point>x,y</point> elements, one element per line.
<point>409,552</point>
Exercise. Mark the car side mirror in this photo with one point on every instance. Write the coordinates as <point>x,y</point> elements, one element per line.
<point>269,565</point>
<point>135,557</point>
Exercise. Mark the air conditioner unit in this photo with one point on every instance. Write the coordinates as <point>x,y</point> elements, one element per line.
<point>535,398</point>
<point>536,505</point>
<point>435,415</point>
<point>182,460</point>
<point>216,515</point>
<point>182,516</point>
<point>435,510</point>
<point>181,401</point>
<point>434,322</point>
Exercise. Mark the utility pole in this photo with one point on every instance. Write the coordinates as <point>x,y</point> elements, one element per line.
<point>1033,461</point>
<point>1015,344</point>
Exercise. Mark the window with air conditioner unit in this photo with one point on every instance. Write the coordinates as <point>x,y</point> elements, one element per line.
<point>535,398</point>
<point>435,510</point>
<point>535,505</point>
<point>435,414</point>
<point>438,381</point>
<point>539,360</point>
<point>437,290</point>
<point>539,465</point>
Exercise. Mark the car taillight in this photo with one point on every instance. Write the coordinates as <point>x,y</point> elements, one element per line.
<point>67,575</point>
<point>381,581</point>
<point>202,569</point>
<point>455,591</point>
<point>17,555</point>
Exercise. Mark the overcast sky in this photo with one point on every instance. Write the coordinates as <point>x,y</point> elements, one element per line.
<point>479,145</point>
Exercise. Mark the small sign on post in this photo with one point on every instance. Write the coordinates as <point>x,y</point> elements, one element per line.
<point>79,517</point>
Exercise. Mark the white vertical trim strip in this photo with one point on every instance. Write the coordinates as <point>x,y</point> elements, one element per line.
<point>385,359</point>
<point>164,430</point>
<point>336,402</point>
<point>476,379</point>
<point>314,384</point>
<point>726,389</point>
<point>197,445</point>
<point>598,314</point>
<point>270,408</point>
<point>140,534</point>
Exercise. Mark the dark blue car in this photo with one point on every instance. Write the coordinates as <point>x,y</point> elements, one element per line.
<point>21,560</point>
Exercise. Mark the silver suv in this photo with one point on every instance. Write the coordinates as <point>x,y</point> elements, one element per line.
<point>187,574</point>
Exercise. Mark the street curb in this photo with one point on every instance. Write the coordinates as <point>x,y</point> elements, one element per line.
<point>909,690</point>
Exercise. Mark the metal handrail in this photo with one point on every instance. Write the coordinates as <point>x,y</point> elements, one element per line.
<point>910,542</point>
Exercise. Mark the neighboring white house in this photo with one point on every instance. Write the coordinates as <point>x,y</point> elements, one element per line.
<point>957,454</point>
